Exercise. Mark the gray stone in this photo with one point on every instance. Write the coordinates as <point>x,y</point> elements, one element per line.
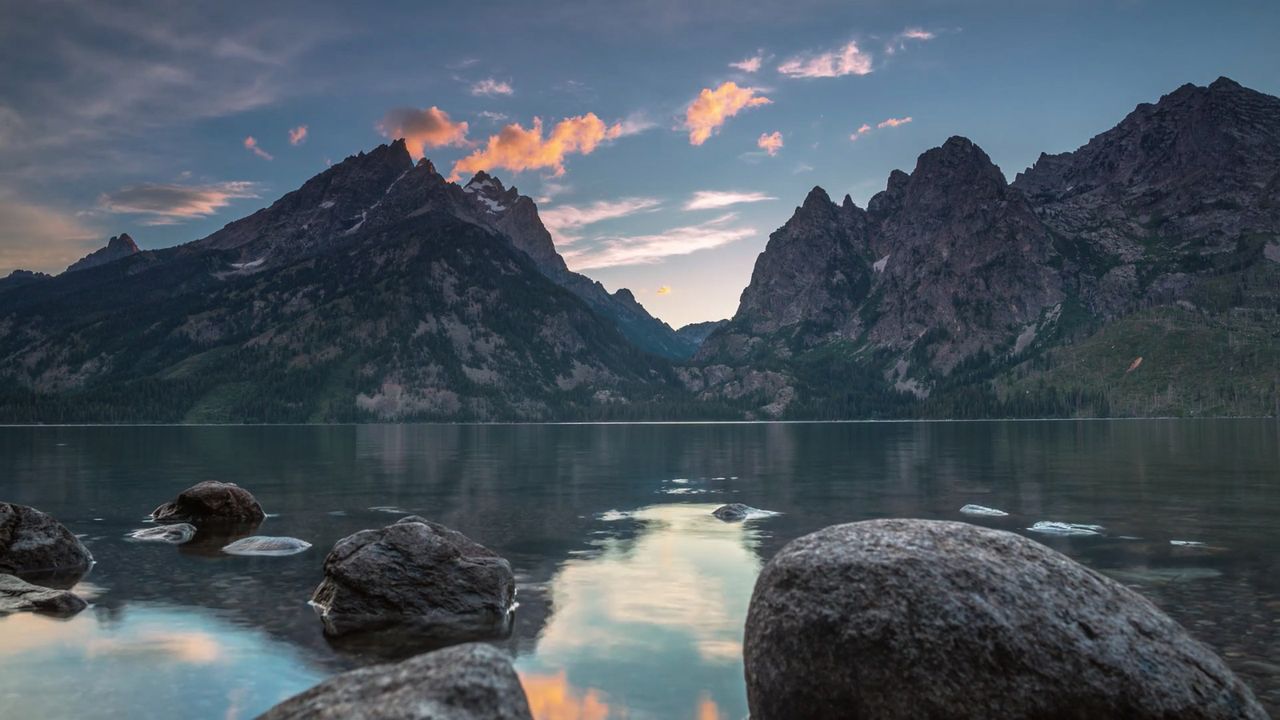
<point>267,546</point>
<point>17,595</point>
<point>927,619</point>
<point>211,502</point>
<point>464,682</point>
<point>34,544</point>
<point>175,534</point>
<point>417,575</point>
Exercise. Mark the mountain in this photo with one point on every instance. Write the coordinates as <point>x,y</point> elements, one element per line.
<point>955,293</point>
<point>120,246</point>
<point>697,333</point>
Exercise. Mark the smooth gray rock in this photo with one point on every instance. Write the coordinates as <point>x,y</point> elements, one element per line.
<point>211,502</point>
<point>267,546</point>
<point>34,544</point>
<point>924,619</point>
<point>175,534</point>
<point>463,682</point>
<point>418,575</point>
<point>17,595</point>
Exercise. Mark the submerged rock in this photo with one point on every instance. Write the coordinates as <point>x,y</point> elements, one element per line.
<point>211,502</point>
<point>736,512</point>
<point>417,575</point>
<point>983,511</point>
<point>919,618</point>
<point>1050,527</point>
<point>464,682</point>
<point>17,595</point>
<point>267,546</point>
<point>33,544</point>
<point>176,534</point>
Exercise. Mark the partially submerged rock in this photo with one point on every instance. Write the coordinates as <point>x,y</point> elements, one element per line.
<point>918,618</point>
<point>737,512</point>
<point>983,511</point>
<point>464,682</point>
<point>1051,527</point>
<point>175,534</point>
<point>17,595</point>
<point>417,575</point>
<point>211,502</point>
<point>33,544</point>
<point>267,546</point>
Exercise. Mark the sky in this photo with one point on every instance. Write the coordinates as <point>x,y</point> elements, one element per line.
<point>663,140</point>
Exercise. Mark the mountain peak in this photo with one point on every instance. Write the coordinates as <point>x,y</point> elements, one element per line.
<point>122,243</point>
<point>119,246</point>
<point>1225,83</point>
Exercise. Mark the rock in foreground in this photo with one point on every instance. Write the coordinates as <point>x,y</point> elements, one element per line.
<point>464,682</point>
<point>917,618</point>
<point>175,534</point>
<point>34,544</point>
<point>20,596</point>
<point>737,512</point>
<point>419,575</point>
<point>265,546</point>
<point>211,502</point>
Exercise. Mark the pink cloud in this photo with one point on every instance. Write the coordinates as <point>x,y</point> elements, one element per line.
<point>917,34</point>
<point>860,132</point>
<point>894,122</point>
<point>712,108</point>
<point>770,142</point>
<point>490,87</point>
<point>848,60</point>
<point>422,129</point>
<point>749,65</point>
<point>251,145</point>
<point>298,135</point>
<point>516,148</point>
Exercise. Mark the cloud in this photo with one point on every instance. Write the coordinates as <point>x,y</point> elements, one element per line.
<point>251,145</point>
<point>893,122</point>
<point>563,220</point>
<point>516,148</point>
<point>492,116</point>
<point>167,203</point>
<point>298,135</point>
<point>711,199</point>
<point>635,124</point>
<point>712,108</point>
<point>646,249</point>
<point>770,142</point>
<point>863,130</point>
<point>749,65</point>
<point>489,87</point>
<point>916,34</point>
<point>664,290</point>
<point>422,129</point>
<point>899,41</point>
<point>39,237</point>
<point>848,60</point>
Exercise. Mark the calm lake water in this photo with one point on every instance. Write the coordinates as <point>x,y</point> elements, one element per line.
<point>632,597</point>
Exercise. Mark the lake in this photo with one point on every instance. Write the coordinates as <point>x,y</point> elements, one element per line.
<point>631,595</point>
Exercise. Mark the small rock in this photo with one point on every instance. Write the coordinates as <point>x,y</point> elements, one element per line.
<point>463,682</point>
<point>736,512</point>
<point>267,546</point>
<point>983,511</point>
<point>928,619</point>
<point>17,595</point>
<point>211,502</point>
<point>176,534</point>
<point>1050,527</point>
<point>34,544</point>
<point>419,575</point>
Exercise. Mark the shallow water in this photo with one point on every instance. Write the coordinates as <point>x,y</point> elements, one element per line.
<point>632,596</point>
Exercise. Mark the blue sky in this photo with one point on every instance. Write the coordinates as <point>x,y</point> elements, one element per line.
<point>135,116</point>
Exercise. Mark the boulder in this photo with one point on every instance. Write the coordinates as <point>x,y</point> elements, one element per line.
<point>925,619</point>
<point>419,575</point>
<point>211,502</point>
<point>33,544</point>
<point>175,534</point>
<point>463,682</point>
<point>17,595</point>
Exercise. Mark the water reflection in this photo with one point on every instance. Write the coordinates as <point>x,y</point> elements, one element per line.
<point>660,600</point>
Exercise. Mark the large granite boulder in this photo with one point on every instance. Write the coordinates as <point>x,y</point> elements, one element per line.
<point>211,502</point>
<point>33,544</point>
<point>924,619</point>
<point>415,575</point>
<point>463,682</point>
<point>17,595</point>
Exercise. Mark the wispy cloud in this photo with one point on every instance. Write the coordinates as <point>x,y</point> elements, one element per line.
<point>711,199</point>
<point>564,221</point>
<point>39,237</point>
<point>635,124</point>
<point>489,87</point>
<point>492,116</point>
<point>422,129</point>
<point>517,148</point>
<point>298,135</point>
<point>251,145</point>
<point>713,108</point>
<point>893,122</point>
<point>749,65</point>
<point>770,142</point>
<point>917,34</point>
<point>169,203</point>
<point>899,41</point>
<point>647,249</point>
<point>862,130</point>
<point>847,60</point>
<point>664,290</point>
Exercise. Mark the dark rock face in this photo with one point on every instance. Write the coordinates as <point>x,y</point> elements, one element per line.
<point>916,618</point>
<point>211,502</point>
<point>19,596</point>
<point>697,333</point>
<point>417,575</point>
<point>464,682</point>
<point>120,246</point>
<point>34,545</point>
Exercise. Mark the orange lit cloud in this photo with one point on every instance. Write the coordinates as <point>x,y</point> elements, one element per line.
<point>860,132</point>
<point>516,148</point>
<point>251,145</point>
<point>551,697</point>
<point>848,60</point>
<point>664,290</point>
<point>712,108</point>
<point>894,122</point>
<point>770,142</point>
<point>422,129</point>
<point>298,135</point>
